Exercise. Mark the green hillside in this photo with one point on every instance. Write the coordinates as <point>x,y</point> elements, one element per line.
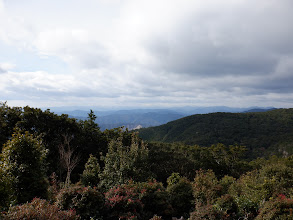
<point>261,132</point>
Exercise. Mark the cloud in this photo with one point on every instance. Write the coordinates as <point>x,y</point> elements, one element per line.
<point>4,67</point>
<point>231,52</point>
<point>239,38</point>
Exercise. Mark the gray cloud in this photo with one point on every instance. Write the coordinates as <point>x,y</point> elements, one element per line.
<point>2,70</point>
<point>236,39</point>
<point>227,52</point>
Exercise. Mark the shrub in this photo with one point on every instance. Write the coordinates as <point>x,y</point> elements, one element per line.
<point>39,209</point>
<point>205,212</point>
<point>155,199</point>
<point>53,188</point>
<point>180,194</point>
<point>140,200</point>
<point>206,187</point>
<point>248,193</point>
<point>155,217</point>
<point>254,188</point>
<point>226,206</point>
<point>277,208</point>
<point>88,202</point>
<point>226,182</point>
<point>123,201</point>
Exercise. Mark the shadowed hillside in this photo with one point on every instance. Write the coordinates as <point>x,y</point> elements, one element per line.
<point>271,130</point>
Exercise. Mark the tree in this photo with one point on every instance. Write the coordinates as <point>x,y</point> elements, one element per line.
<point>68,159</point>
<point>8,119</point>
<point>6,190</point>
<point>123,163</point>
<point>23,159</point>
<point>52,127</point>
<point>90,175</point>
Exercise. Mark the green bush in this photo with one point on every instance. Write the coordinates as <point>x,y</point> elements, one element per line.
<point>180,194</point>
<point>254,188</point>
<point>39,209</point>
<point>88,202</point>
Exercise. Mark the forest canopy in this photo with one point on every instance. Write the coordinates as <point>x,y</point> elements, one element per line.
<point>71,169</point>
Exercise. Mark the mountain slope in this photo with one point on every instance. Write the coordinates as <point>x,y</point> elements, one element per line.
<point>261,130</point>
<point>135,119</point>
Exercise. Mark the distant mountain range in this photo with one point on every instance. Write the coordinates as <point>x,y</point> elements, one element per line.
<point>137,118</point>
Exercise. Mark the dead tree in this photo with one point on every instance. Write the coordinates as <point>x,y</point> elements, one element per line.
<point>68,158</point>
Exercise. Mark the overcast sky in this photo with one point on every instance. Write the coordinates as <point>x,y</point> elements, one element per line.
<point>146,53</point>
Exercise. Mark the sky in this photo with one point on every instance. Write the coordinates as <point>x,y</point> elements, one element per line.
<point>146,53</point>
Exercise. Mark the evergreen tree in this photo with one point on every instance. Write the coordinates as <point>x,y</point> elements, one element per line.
<point>90,175</point>
<point>23,159</point>
<point>123,163</point>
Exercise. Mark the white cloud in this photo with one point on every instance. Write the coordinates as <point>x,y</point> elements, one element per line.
<point>6,66</point>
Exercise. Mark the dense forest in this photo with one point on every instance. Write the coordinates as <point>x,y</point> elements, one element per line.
<point>263,133</point>
<point>213,166</point>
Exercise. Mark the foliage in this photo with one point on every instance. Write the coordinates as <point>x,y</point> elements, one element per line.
<point>227,206</point>
<point>88,202</point>
<point>173,179</point>
<point>251,190</point>
<point>180,193</point>
<point>53,127</point>
<point>123,202</point>
<point>226,159</point>
<point>249,193</point>
<point>277,208</point>
<point>165,159</point>
<point>39,209</point>
<point>23,159</point>
<point>206,187</point>
<point>155,199</point>
<point>262,132</point>
<point>140,200</point>
<point>54,187</point>
<point>6,189</point>
<point>123,163</point>
<point>155,217</point>
<point>9,116</point>
<point>205,212</point>
<point>133,175</point>
<point>226,182</point>
<point>90,175</point>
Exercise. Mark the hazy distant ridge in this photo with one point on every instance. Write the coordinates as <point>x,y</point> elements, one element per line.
<point>131,118</point>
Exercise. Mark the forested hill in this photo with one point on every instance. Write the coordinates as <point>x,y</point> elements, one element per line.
<point>259,131</point>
